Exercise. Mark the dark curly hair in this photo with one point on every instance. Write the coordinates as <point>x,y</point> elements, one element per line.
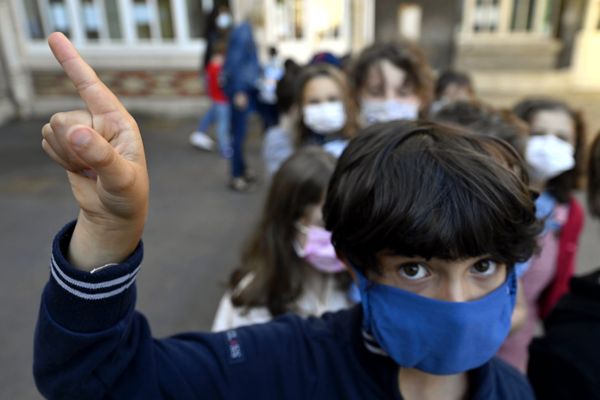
<point>423,189</point>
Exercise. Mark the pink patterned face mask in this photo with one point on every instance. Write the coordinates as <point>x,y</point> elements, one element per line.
<point>318,250</point>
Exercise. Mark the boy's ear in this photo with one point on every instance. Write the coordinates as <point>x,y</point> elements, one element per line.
<point>346,263</point>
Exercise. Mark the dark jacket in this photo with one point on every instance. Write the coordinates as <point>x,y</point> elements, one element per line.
<point>241,71</point>
<point>90,343</point>
<point>565,363</point>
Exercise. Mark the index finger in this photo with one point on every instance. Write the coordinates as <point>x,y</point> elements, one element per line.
<point>98,98</point>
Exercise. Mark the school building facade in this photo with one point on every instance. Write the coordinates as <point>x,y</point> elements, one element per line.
<point>149,51</point>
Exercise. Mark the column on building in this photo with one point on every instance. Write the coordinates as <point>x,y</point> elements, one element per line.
<point>586,67</point>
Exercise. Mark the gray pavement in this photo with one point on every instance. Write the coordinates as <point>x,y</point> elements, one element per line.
<point>194,232</point>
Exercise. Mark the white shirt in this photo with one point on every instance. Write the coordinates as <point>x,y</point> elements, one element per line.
<point>310,303</point>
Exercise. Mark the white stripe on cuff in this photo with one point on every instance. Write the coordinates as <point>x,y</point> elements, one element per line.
<point>94,286</point>
<point>88,296</point>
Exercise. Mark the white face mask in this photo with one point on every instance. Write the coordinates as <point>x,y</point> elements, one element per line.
<point>223,21</point>
<point>548,156</point>
<point>374,111</point>
<point>325,118</point>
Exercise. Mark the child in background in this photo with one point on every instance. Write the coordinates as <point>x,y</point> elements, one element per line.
<point>219,111</point>
<point>327,117</point>
<point>392,81</point>
<point>452,86</point>
<point>565,362</point>
<point>272,72</point>
<point>554,159</point>
<point>278,142</point>
<point>289,263</point>
<point>483,119</point>
<point>326,57</point>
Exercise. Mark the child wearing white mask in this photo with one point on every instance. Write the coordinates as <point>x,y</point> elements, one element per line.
<point>289,263</point>
<point>392,81</point>
<point>327,116</point>
<point>553,157</point>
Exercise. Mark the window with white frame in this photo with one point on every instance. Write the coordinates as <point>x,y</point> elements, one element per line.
<point>116,21</point>
<point>320,19</point>
<point>508,16</point>
<point>486,15</point>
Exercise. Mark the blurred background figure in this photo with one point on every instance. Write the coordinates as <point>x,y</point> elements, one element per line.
<point>392,81</point>
<point>289,263</point>
<point>327,117</point>
<point>278,141</point>
<point>452,86</point>
<point>272,72</point>
<point>554,156</point>
<point>218,26</point>
<point>219,111</point>
<point>242,73</point>
<point>326,57</point>
<point>484,119</point>
<point>564,364</point>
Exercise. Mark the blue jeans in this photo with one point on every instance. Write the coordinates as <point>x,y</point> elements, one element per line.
<point>239,129</point>
<point>221,114</point>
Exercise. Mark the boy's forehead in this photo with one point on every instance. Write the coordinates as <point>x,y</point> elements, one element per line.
<point>389,253</point>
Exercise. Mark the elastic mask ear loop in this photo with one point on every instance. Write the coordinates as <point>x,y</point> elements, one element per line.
<point>363,288</point>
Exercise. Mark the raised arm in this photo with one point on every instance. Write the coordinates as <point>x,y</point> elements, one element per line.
<point>90,343</point>
<point>102,151</point>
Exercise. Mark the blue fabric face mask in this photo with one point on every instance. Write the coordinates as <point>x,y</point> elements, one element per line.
<point>434,336</point>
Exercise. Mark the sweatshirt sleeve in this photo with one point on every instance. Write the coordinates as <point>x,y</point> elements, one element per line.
<point>90,343</point>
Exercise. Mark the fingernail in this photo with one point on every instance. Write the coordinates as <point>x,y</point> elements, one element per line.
<point>81,137</point>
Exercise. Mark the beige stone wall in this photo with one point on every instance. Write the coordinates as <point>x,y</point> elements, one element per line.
<point>126,83</point>
<point>507,54</point>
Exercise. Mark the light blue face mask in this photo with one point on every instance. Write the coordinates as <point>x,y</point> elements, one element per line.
<point>434,336</point>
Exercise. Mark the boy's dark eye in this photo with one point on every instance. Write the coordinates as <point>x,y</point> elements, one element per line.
<point>485,267</point>
<point>413,271</point>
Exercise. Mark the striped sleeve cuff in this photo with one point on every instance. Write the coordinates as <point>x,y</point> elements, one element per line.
<point>89,301</point>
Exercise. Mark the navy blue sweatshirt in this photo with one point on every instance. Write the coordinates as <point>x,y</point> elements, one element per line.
<point>90,343</point>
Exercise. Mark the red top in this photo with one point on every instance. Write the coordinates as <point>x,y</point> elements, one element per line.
<point>215,92</point>
<point>565,264</point>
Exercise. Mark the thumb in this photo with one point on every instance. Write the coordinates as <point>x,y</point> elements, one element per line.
<point>114,171</point>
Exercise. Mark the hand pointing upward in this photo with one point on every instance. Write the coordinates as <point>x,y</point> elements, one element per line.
<point>101,148</point>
